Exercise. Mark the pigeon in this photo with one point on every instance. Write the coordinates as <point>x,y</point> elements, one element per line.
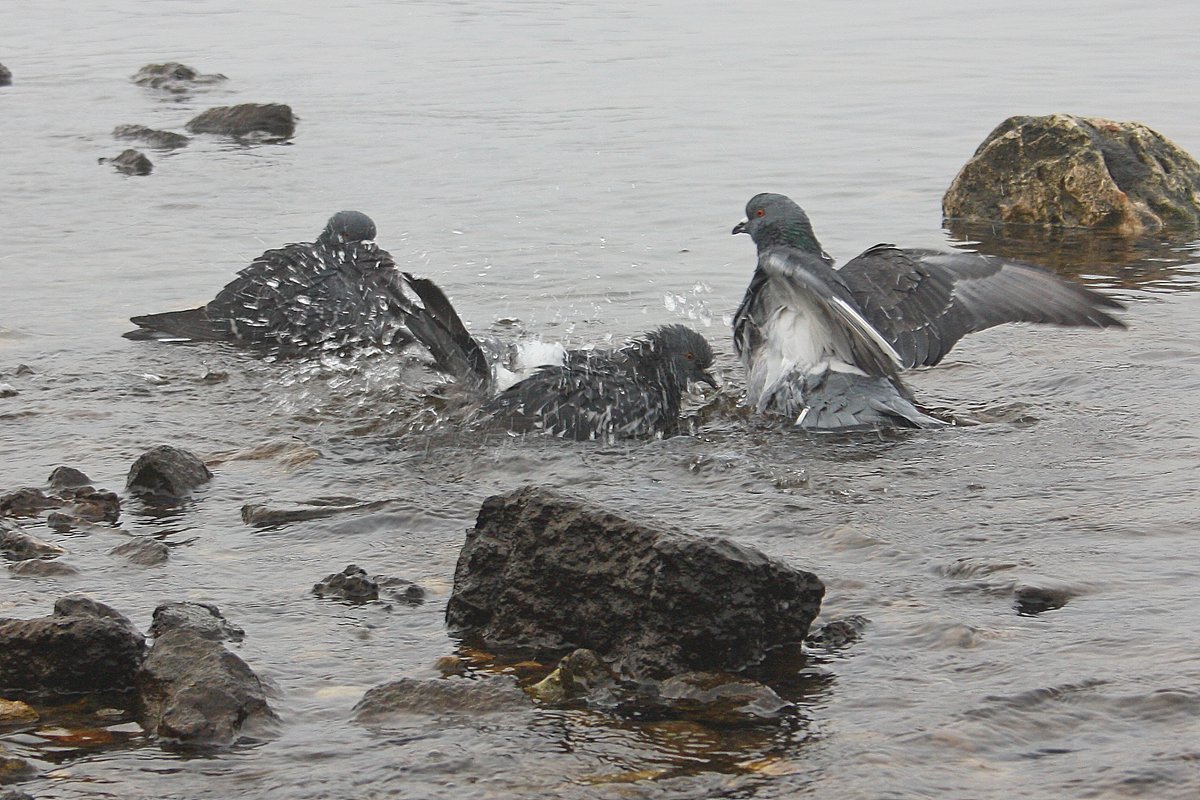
<point>336,294</point>
<point>825,347</point>
<point>631,392</point>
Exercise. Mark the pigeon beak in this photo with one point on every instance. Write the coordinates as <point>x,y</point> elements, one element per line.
<point>740,227</point>
<point>704,377</point>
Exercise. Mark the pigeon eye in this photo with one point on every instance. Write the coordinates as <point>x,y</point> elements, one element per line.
<point>689,356</point>
<point>762,212</point>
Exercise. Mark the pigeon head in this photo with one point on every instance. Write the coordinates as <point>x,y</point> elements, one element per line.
<point>679,352</point>
<point>348,226</point>
<point>773,219</point>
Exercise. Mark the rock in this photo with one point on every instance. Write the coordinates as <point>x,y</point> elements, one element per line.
<point>62,521</point>
<point>495,695</point>
<point>68,478</point>
<point>271,119</point>
<point>401,589</point>
<point>167,472</point>
<point>262,516</point>
<point>40,568</point>
<point>145,551</point>
<point>195,692</point>
<point>13,794</point>
<point>839,633</point>
<point>580,674</point>
<point>1030,600</point>
<point>83,648</point>
<point>721,699</point>
<point>130,162</point>
<point>17,545</point>
<point>162,139</point>
<point>174,77</point>
<point>14,712</point>
<point>1063,170</point>
<point>351,584</point>
<point>78,604</point>
<point>27,502</point>
<point>12,770</point>
<point>203,619</point>
<point>94,505</point>
<point>544,574</point>
<point>8,390</point>
<point>5,76</point>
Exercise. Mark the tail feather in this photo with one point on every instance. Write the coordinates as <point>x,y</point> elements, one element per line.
<point>437,326</point>
<point>193,324</point>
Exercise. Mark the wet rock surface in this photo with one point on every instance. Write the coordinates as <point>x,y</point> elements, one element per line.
<point>452,696</point>
<point>196,693</point>
<point>27,502</point>
<point>13,770</point>
<point>174,77</point>
<point>579,675</point>
<point>143,550</point>
<point>274,120</point>
<point>168,472</point>
<point>14,712</point>
<point>203,619</point>
<point>1067,171</point>
<point>64,477</point>
<point>83,648</point>
<point>5,76</point>
<point>18,545</point>
<point>263,516</point>
<point>838,633</point>
<point>40,568</point>
<point>166,140</point>
<point>546,573</point>
<point>130,162</point>
<point>354,585</point>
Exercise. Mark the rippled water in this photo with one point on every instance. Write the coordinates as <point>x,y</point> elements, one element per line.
<point>577,169</point>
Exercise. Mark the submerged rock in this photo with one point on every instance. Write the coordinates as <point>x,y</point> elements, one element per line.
<point>131,162</point>
<point>451,696</point>
<point>167,471</point>
<point>839,633</point>
<point>162,139</point>
<point>145,551</point>
<point>13,770</point>
<point>203,619</point>
<point>27,502</point>
<point>1063,170</point>
<point>270,119</point>
<point>545,573</point>
<point>174,77</point>
<point>41,568</point>
<point>8,390</point>
<point>195,692</point>
<point>94,505</point>
<point>580,674</point>
<point>354,585</point>
<point>721,699</point>
<point>5,76</point>
<point>17,545</point>
<point>83,648</point>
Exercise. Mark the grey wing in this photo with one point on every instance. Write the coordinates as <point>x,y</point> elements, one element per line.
<point>924,301</point>
<point>798,280</point>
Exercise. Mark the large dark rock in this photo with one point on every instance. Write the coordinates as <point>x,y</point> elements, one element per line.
<point>174,77</point>
<point>197,693</point>
<point>545,573</point>
<point>167,471</point>
<point>155,138</point>
<point>269,119</point>
<point>130,162</point>
<point>203,619</point>
<point>1062,170</point>
<point>83,648</point>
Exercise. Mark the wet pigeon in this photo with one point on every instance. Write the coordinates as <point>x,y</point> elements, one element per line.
<point>825,346</point>
<point>632,392</point>
<point>331,295</point>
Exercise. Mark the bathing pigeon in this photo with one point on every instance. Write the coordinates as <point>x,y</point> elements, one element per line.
<point>632,392</point>
<point>825,347</point>
<point>332,295</point>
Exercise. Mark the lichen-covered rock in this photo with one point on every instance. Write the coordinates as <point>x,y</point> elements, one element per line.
<point>545,573</point>
<point>167,471</point>
<point>1068,171</point>
<point>155,138</point>
<point>203,619</point>
<point>264,119</point>
<point>195,692</point>
<point>130,162</point>
<point>174,77</point>
<point>82,648</point>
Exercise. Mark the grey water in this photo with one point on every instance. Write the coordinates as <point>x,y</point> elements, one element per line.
<point>572,171</point>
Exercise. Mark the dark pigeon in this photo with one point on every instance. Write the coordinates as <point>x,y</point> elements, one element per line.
<point>825,347</point>
<point>632,392</point>
<point>333,295</point>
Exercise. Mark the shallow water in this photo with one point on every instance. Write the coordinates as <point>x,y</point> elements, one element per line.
<point>577,169</point>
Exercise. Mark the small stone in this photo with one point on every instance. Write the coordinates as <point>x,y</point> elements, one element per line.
<point>130,162</point>
<point>352,584</point>
<point>143,550</point>
<point>174,77</point>
<point>14,712</point>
